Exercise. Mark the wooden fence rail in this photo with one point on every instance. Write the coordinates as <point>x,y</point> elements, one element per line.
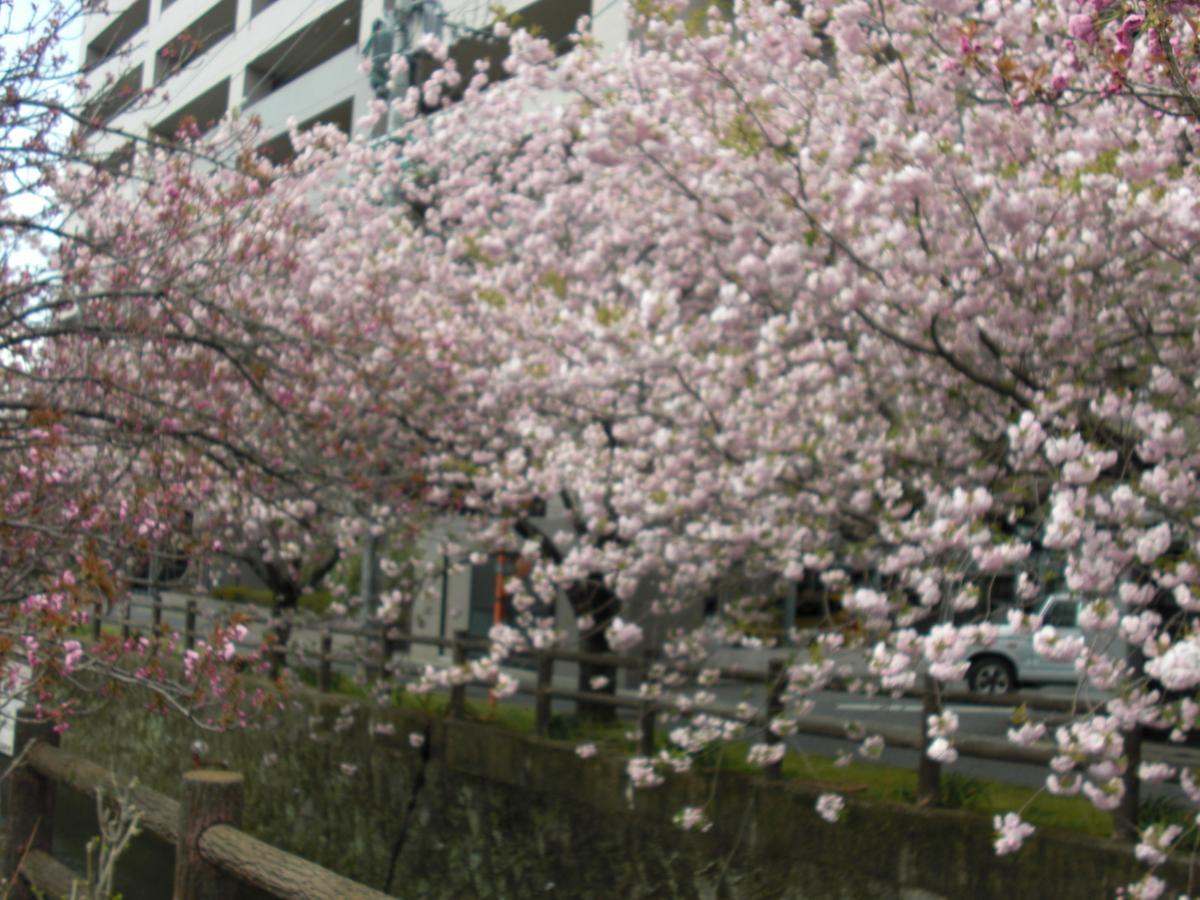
<point>211,853</point>
<point>386,638</point>
<point>381,642</point>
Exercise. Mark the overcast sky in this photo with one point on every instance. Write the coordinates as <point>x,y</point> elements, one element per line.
<point>17,13</point>
<point>15,17</point>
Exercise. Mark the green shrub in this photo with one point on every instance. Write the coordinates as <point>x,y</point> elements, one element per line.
<point>963,792</point>
<point>316,601</point>
<point>1154,810</point>
<point>340,682</point>
<point>563,727</point>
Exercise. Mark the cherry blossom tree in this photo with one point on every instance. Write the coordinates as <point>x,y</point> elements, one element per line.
<point>134,374</point>
<point>859,287</point>
<point>881,287</point>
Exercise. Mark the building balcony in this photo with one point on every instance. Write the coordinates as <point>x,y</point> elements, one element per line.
<point>308,94</point>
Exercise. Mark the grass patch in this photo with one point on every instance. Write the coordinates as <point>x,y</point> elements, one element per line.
<point>620,736</point>
<point>987,798</point>
<point>313,601</point>
<point>341,682</point>
<point>891,784</point>
<point>433,704</point>
<point>520,719</point>
<point>887,783</point>
<point>1155,810</point>
<point>1046,810</point>
<point>506,715</point>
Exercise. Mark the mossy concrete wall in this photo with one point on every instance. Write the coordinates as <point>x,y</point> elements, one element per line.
<point>504,815</point>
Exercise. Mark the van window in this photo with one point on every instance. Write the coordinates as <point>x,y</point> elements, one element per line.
<point>1061,614</point>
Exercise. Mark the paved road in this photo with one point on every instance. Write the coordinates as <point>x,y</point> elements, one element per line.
<point>974,720</point>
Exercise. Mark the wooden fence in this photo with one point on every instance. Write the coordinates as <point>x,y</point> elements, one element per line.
<point>383,643</point>
<point>212,855</point>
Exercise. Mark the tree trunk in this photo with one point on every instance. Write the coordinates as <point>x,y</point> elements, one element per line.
<point>285,602</point>
<point>593,598</point>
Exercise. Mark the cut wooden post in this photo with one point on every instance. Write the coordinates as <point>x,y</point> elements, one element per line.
<point>458,693</point>
<point>545,681</point>
<point>189,625</point>
<point>125,617</point>
<point>28,809</point>
<point>929,771</point>
<point>156,611</point>
<point>325,671</point>
<point>97,622</point>
<point>210,797</point>
<point>775,686</point>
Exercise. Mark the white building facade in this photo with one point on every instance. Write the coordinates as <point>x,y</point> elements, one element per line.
<point>278,59</point>
<point>154,66</point>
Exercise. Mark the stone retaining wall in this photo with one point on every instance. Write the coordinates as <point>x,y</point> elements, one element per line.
<point>504,815</point>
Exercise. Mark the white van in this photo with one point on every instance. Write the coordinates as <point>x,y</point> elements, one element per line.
<point>1011,660</point>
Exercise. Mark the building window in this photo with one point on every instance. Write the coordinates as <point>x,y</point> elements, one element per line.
<point>117,35</point>
<point>321,40</point>
<point>194,41</point>
<point>198,116</point>
<point>115,99</point>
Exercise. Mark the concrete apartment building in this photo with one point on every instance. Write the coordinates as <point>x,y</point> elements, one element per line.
<point>279,59</point>
<point>276,59</point>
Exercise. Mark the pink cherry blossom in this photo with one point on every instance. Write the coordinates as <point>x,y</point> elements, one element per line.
<point>830,807</point>
<point>1011,833</point>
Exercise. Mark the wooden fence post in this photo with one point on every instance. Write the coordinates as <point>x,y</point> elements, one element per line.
<point>189,625</point>
<point>458,693</point>
<point>325,669</point>
<point>210,797</point>
<point>545,681</point>
<point>125,618</point>
<point>156,611</point>
<point>1125,817</point>
<point>97,622</point>
<point>385,651</point>
<point>28,808</point>
<point>929,771</point>
<point>646,711</point>
<point>775,686</point>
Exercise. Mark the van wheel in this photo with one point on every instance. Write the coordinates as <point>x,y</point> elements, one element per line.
<point>991,675</point>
